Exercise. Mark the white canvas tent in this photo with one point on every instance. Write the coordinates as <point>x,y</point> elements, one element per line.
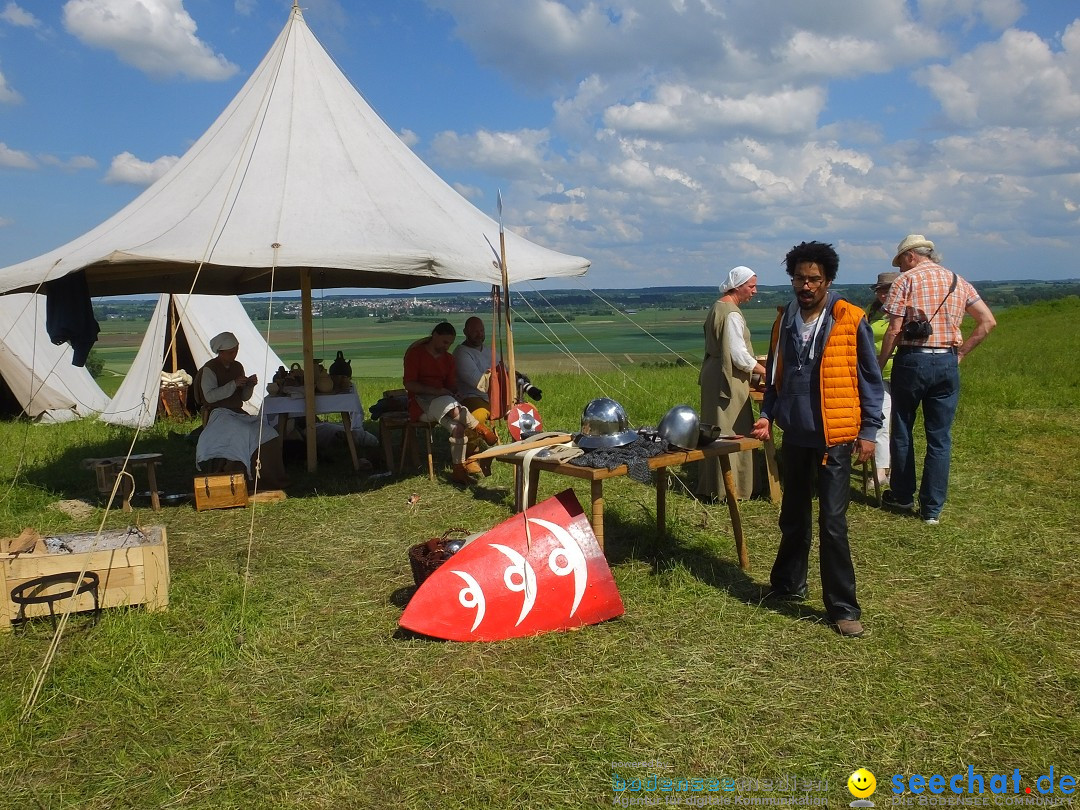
<point>37,377</point>
<point>199,317</point>
<point>297,184</point>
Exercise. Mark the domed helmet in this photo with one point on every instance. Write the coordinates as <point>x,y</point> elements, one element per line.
<point>681,427</point>
<point>604,424</point>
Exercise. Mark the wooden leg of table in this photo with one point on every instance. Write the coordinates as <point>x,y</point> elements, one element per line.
<point>597,491</point>
<point>151,478</point>
<point>733,510</point>
<point>773,470</point>
<point>386,439</point>
<point>661,502</point>
<point>534,483</point>
<point>346,420</point>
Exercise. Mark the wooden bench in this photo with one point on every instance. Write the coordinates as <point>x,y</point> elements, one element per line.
<point>107,469</point>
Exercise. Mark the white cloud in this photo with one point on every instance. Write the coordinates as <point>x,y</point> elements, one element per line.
<point>1017,80</point>
<point>8,94</point>
<point>408,137</point>
<point>19,17</point>
<point>15,159</point>
<point>126,168</point>
<point>71,164</point>
<point>506,153</point>
<point>155,36</point>
<point>999,14</point>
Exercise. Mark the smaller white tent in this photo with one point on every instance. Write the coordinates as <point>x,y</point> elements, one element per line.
<point>200,317</point>
<point>37,377</point>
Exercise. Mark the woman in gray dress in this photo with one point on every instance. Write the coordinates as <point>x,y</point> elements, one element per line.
<point>725,381</point>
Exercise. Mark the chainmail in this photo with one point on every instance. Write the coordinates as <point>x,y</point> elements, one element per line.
<point>635,456</point>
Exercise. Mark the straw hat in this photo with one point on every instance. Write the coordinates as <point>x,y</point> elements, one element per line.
<point>884,280</point>
<point>911,241</point>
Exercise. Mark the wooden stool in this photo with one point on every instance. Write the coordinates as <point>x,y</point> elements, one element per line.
<point>400,421</point>
<point>107,469</point>
<point>868,470</point>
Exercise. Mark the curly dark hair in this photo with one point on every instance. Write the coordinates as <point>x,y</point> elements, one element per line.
<point>819,253</point>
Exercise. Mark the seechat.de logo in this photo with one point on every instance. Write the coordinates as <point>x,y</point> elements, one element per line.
<point>861,784</point>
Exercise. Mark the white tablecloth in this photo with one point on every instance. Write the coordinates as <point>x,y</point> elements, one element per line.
<point>292,404</point>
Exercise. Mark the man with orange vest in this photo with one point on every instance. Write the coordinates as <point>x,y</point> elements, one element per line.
<point>824,390</point>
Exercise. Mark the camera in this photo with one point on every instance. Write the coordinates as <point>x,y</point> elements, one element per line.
<point>917,330</point>
<point>526,388</point>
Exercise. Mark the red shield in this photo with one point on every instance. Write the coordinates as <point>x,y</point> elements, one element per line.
<point>510,582</point>
<point>523,418</point>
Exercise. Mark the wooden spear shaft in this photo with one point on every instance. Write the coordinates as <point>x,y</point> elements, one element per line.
<point>511,367</point>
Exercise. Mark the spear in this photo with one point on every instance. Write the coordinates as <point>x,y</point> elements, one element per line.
<point>506,295</point>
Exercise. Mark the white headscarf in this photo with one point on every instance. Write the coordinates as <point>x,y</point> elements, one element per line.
<point>223,341</point>
<point>736,278</point>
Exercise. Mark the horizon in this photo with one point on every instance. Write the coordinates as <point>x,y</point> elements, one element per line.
<point>662,143</point>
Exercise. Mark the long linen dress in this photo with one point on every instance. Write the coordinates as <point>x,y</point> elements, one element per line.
<point>725,402</point>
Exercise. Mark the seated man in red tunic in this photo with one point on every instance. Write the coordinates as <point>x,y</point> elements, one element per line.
<point>431,379</point>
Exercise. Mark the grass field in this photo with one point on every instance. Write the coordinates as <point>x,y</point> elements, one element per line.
<point>292,686</point>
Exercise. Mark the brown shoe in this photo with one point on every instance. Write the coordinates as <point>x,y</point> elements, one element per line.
<point>473,468</point>
<point>461,476</point>
<point>487,434</point>
<point>850,628</point>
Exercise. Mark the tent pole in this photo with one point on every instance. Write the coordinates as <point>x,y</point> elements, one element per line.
<point>309,370</point>
<point>172,331</point>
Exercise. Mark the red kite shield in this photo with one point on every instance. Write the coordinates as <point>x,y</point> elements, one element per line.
<point>508,584</point>
<point>523,418</point>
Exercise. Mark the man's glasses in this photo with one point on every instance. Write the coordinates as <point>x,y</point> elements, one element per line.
<point>805,281</point>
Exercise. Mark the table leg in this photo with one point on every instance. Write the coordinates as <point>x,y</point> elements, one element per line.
<point>597,492</point>
<point>151,477</point>
<point>346,420</point>
<point>773,470</point>
<point>661,502</point>
<point>534,483</point>
<point>386,440</point>
<point>733,510</point>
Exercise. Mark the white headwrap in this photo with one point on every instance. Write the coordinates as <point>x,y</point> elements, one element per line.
<point>223,341</point>
<point>736,278</point>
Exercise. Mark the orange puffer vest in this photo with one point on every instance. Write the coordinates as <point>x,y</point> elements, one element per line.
<point>840,409</point>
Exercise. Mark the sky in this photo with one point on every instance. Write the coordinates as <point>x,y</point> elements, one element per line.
<point>664,140</point>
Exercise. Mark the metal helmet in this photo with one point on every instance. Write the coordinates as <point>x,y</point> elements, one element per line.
<point>604,424</point>
<point>681,427</point>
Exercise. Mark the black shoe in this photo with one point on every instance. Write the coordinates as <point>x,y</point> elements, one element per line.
<point>890,500</point>
<point>778,595</point>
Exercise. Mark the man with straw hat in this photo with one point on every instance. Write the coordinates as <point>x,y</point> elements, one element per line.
<point>926,306</point>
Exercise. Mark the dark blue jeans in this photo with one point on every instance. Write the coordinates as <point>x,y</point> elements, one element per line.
<point>933,381</point>
<point>803,469</point>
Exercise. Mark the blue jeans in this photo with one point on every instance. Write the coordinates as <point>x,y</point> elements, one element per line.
<point>933,381</point>
<point>829,472</point>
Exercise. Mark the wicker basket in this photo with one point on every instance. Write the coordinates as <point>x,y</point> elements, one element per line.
<point>425,557</point>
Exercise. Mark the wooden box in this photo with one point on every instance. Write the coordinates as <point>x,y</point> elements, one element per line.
<point>132,568</point>
<point>220,491</point>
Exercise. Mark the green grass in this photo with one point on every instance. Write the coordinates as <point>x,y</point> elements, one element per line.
<point>301,692</point>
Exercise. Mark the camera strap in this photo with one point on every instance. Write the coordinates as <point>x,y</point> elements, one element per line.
<point>952,288</point>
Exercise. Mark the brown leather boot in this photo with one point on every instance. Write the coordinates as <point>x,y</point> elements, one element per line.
<point>461,476</point>
<point>473,468</point>
<point>487,434</point>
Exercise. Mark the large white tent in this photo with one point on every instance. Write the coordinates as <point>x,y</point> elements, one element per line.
<point>297,174</point>
<point>199,318</point>
<point>36,375</point>
<point>298,184</point>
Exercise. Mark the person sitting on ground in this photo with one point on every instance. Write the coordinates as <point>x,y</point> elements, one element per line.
<point>221,389</point>
<point>430,378</point>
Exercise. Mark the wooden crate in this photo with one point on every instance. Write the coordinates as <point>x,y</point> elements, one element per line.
<point>220,491</point>
<point>132,569</point>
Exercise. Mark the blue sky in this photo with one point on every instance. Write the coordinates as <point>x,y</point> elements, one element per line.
<point>665,140</point>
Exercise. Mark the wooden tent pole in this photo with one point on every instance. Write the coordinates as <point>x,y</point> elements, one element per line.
<point>172,331</point>
<point>309,370</point>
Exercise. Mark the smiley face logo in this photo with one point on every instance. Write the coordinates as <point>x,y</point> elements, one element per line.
<point>861,784</point>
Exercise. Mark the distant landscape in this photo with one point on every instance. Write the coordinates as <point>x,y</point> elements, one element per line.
<point>554,330</point>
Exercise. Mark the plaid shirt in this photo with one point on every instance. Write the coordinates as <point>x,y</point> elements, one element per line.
<point>917,294</point>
